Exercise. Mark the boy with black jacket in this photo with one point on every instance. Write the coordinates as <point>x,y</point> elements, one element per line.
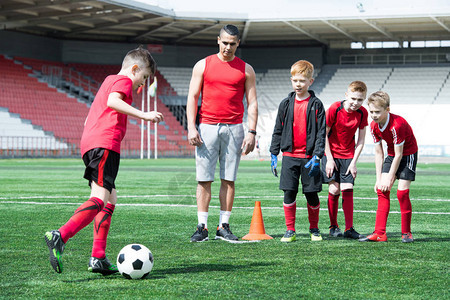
<point>299,133</point>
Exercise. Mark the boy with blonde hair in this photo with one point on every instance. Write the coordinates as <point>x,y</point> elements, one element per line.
<point>104,129</point>
<point>400,163</point>
<point>343,119</point>
<point>299,133</point>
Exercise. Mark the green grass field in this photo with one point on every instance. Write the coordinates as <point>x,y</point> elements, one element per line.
<point>157,209</point>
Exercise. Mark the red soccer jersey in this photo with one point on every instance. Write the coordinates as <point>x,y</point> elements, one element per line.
<point>343,126</point>
<point>299,128</point>
<point>105,127</point>
<point>395,132</point>
<point>223,91</point>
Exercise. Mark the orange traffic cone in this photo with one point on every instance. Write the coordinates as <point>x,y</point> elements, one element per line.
<point>257,231</point>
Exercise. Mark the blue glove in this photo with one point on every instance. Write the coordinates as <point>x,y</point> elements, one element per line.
<point>314,163</point>
<point>273,164</point>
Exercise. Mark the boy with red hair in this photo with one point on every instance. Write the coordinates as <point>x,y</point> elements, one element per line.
<point>300,133</point>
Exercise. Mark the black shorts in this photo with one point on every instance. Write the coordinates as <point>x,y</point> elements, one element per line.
<point>102,166</point>
<point>339,176</point>
<point>407,168</point>
<point>291,170</point>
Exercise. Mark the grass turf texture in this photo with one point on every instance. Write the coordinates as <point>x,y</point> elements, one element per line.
<point>157,209</point>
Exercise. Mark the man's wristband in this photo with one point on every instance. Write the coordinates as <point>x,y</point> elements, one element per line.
<point>252,131</point>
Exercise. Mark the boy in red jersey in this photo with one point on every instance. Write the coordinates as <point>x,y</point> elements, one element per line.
<point>400,164</point>
<point>104,130</point>
<point>300,133</point>
<point>343,119</point>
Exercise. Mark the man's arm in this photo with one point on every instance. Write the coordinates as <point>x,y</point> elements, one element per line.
<point>252,109</point>
<point>115,101</point>
<point>195,87</point>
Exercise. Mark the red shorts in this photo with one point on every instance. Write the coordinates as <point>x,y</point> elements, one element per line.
<point>102,166</point>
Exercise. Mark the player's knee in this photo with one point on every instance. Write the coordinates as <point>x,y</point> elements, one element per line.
<point>312,198</point>
<point>289,196</point>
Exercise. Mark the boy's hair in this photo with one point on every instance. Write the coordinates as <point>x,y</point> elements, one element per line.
<point>141,57</point>
<point>357,86</point>
<point>303,67</point>
<point>231,30</point>
<point>379,98</point>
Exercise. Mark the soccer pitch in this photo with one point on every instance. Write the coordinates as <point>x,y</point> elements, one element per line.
<point>157,208</point>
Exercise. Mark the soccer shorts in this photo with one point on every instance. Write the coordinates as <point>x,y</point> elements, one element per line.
<point>292,169</point>
<point>407,168</point>
<point>221,142</point>
<point>102,166</point>
<point>339,176</point>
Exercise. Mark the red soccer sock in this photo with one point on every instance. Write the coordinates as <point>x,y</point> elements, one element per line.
<point>347,207</point>
<point>102,222</point>
<point>382,212</point>
<point>289,215</point>
<point>81,218</point>
<point>333,205</point>
<point>405,209</point>
<point>313,216</point>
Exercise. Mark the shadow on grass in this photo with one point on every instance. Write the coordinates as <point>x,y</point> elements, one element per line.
<point>195,268</point>
<point>200,268</point>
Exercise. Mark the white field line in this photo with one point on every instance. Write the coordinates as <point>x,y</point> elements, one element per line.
<point>274,198</point>
<point>211,206</point>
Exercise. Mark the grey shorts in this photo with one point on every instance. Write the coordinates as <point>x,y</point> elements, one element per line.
<point>223,142</point>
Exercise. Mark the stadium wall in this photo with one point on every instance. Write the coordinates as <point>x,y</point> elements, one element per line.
<point>69,51</point>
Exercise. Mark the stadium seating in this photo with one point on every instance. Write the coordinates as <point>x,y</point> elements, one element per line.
<point>64,116</point>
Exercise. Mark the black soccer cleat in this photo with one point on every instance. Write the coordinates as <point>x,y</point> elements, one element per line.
<point>102,266</point>
<point>224,233</point>
<point>55,246</point>
<point>352,234</point>
<point>335,231</point>
<point>201,235</point>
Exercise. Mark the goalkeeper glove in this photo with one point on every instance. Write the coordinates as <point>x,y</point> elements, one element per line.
<point>273,164</point>
<point>314,163</point>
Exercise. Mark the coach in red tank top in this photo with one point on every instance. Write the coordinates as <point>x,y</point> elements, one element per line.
<point>222,79</point>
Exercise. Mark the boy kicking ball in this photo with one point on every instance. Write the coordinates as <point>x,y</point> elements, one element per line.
<point>103,132</point>
<point>400,164</point>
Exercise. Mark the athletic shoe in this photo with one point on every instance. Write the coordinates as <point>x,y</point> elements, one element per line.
<point>103,266</point>
<point>56,248</point>
<point>374,237</point>
<point>315,234</point>
<point>201,234</point>
<point>352,234</point>
<point>224,233</point>
<point>335,231</point>
<point>407,238</point>
<point>289,236</point>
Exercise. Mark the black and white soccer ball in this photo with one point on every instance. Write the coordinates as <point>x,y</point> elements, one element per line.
<point>135,261</point>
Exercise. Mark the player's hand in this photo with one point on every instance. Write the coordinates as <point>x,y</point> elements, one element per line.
<point>153,116</point>
<point>314,163</point>
<point>248,144</point>
<point>273,164</point>
<point>386,183</point>
<point>194,138</point>
<point>330,167</point>
<point>352,170</point>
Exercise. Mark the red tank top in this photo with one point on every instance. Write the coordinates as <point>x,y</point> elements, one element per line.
<point>223,91</point>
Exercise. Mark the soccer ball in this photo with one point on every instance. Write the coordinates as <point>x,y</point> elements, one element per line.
<point>135,261</point>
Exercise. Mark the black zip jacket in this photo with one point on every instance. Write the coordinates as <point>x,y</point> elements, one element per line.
<point>316,126</point>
